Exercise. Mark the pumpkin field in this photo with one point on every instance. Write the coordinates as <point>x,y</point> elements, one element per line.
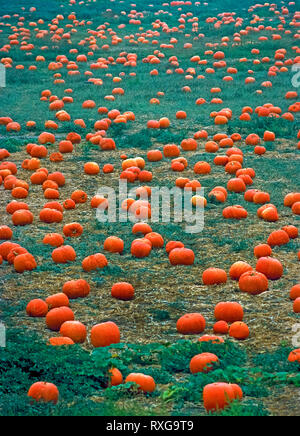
<point>108,308</point>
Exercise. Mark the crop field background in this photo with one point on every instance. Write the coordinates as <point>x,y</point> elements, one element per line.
<point>150,343</point>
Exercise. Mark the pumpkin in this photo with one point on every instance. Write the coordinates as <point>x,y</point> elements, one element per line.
<point>66,147</point>
<point>69,204</point>
<point>181,256</point>
<point>5,233</point>
<point>189,144</point>
<point>105,334</point>
<point>229,312</point>
<point>19,192</point>
<point>6,248</point>
<point>115,377</point>
<point>204,362</point>
<point>214,276</point>
<point>217,396</point>
<point>239,330</point>
<point>61,342</point>
<point>296,305</point>
<point>24,262</point>
<point>57,300</point>
<point>278,238</point>
<point>122,291</point>
<point>114,244</point>
<point>91,168</point>
<point>154,156</point>
<point>156,239</point>
<point>296,208</point>
<point>141,248</point>
<point>253,283</point>
<point>191,324</point>
<point>74,330</point>
<point>270,267</point>
<point>12,207</point>
<point>79,197</point>
<point>37,308</point>
<point>262,250</point>
<point>211,338</point>
<point>44,392</point>
<point>294,356</point>
<point>64,254</point>
<point>236,185</point>
<point>171,150</point>
<point>238,269</point>
<point>221,327</point>
<point>53,239</point>
<point>144,382</point>
<point>172,245</point>
<point>94,262</point>
<point>73,230</point>
<point>235,212</point>
<point>76,289</point>
<point>22,217</point>
<point>57,316</point>
<point>142,228</point>
<point>58,178</point>
<point>292,231</point>
<point>17,251</point>
<point>50,216</point>
<point>295,292</point>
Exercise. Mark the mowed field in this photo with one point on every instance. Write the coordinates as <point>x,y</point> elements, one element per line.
<point>159,94</point>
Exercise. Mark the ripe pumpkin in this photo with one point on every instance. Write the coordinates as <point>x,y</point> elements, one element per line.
<point>141,248</point>
<point>5,233</point>
<point>50,216</point>
<point>53,239</point>
<point>238,269</point>
<point>191,324</point>
<point>22,217</point>
<point>57,316</point>
<point>37,308</point>
<point>115,377</point>
<point>217,396</point>
<point>181,256</point>
<point>278,238</point>
<point>253,283</point>
<point>105,334</point>
<point>221,328</point>
<point>74,330</point>
<point>44,392</point>
<point>122,291</point>
<point>76,289</point>
<point>294,356</point>
<point>144,382</point>
<point>239,330</point>
<point>295,292</point>
<point>60,342</point>
<point>94,262</point>
<point>296,305</point>
<point>204,362</point>
<point>79,197</point>
<point>114,244</point>
<point>262,250</point>
<point>57,300</point>
<point>270,267</point>
<point>292,231</point>
<point>214,276</point>
<point>229,312</point>
<point>64,254</point>
<point>24,262</point>
<point>73,230</point>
